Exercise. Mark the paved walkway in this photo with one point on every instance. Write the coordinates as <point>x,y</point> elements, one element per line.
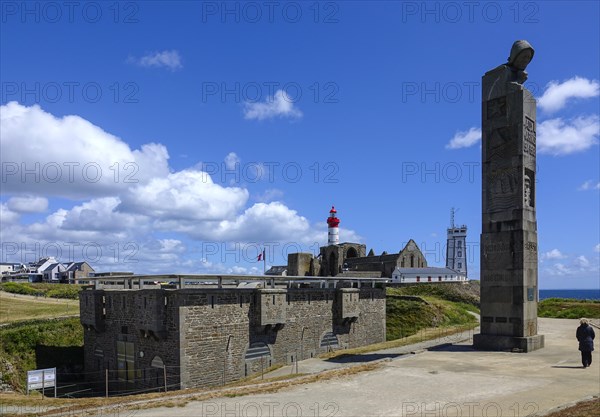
<point>447,380</point>
<point>316,365</point>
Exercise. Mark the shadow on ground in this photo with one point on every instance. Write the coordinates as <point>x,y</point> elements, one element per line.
<point>452,348</point>
<point>368,357</point>
<point>567,367</point>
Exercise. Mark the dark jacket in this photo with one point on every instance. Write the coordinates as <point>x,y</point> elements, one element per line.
<point>586,335</point>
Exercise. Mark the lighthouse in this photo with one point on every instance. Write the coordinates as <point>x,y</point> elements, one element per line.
<point>333,223</point>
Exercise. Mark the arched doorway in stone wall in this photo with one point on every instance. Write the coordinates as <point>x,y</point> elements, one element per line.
<point>329,341</point>
<point>257,358</point>
<point>158,369</point>
<point>352,253</point>
<point>333,267</point>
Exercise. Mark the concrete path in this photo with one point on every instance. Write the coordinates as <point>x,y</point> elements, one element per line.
<point>449,380</point>
<point>316,365</point>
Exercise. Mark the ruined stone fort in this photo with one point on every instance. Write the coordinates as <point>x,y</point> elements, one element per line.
<point>201,331</point>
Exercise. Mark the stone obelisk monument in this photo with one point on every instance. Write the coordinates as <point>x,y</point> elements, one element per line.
<point>509,269</point>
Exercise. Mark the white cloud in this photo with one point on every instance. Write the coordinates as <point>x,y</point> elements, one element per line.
<point>597,248</point>
<point>69,156</point>
<point>465,139</point>
<point>100,215</point>
<point>107,239</point>
<point>557,94</point>
<point>346,235</point>
<point>561,269</point>
<point>7,216</point>
<point>171,245</point>
<point>184,195</point>
<point>589,185</point>
<point>162,255</point>
<point>91,232</point>
<point>577,267</point>
<point>260,222</point>
<point>232,169</point>
<point>241,270</point>
<point>93,221</point>
<point>582,262</point>
<point>280,105</point>
<point>168,59</point>
<point>268,195</point>
<point>553,254</point>
<point>153,225</point>
<point>559,137</point>
<point>110,240</point>
<point>28,204</point>
<point>232,161</point>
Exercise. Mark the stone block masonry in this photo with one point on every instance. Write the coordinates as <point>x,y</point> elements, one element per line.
<point>206,337</point>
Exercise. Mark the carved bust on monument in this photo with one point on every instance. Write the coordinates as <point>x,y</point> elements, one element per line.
<point>521,55</point>
<point>513,71</point>
<point>509,270</point>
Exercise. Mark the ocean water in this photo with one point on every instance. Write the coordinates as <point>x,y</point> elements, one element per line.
<point>577,294</point>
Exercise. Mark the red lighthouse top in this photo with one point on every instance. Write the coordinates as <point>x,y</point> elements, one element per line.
<point>332,220</point>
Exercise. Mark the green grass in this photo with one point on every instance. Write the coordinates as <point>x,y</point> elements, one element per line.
<point>20,288</point>
<point>566,308</point>
<point>406,317</point>
<point>21,308</point>
<point>461,293</point>
<point>19,342</point>
<point>70,291</point>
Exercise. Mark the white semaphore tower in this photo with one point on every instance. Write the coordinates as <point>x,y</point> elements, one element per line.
<point>334,231</point>
<point>456,247</point>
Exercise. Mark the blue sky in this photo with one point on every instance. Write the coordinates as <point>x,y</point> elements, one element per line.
<point>184,137</point>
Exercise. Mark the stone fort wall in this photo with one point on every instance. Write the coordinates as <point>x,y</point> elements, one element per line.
<point>208,337</point>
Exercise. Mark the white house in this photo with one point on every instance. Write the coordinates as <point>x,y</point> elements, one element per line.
<point>47,269</point>
<point>40,265</point>
<point>424,275</point>
<point>9,267</point>
<point>51,273</point>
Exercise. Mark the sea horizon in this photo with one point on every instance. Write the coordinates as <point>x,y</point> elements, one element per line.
<point>579,294</point>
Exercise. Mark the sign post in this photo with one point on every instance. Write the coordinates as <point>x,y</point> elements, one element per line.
<point>41,378</point>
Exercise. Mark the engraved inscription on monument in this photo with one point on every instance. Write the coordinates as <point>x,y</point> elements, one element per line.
<point>529,137</point>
